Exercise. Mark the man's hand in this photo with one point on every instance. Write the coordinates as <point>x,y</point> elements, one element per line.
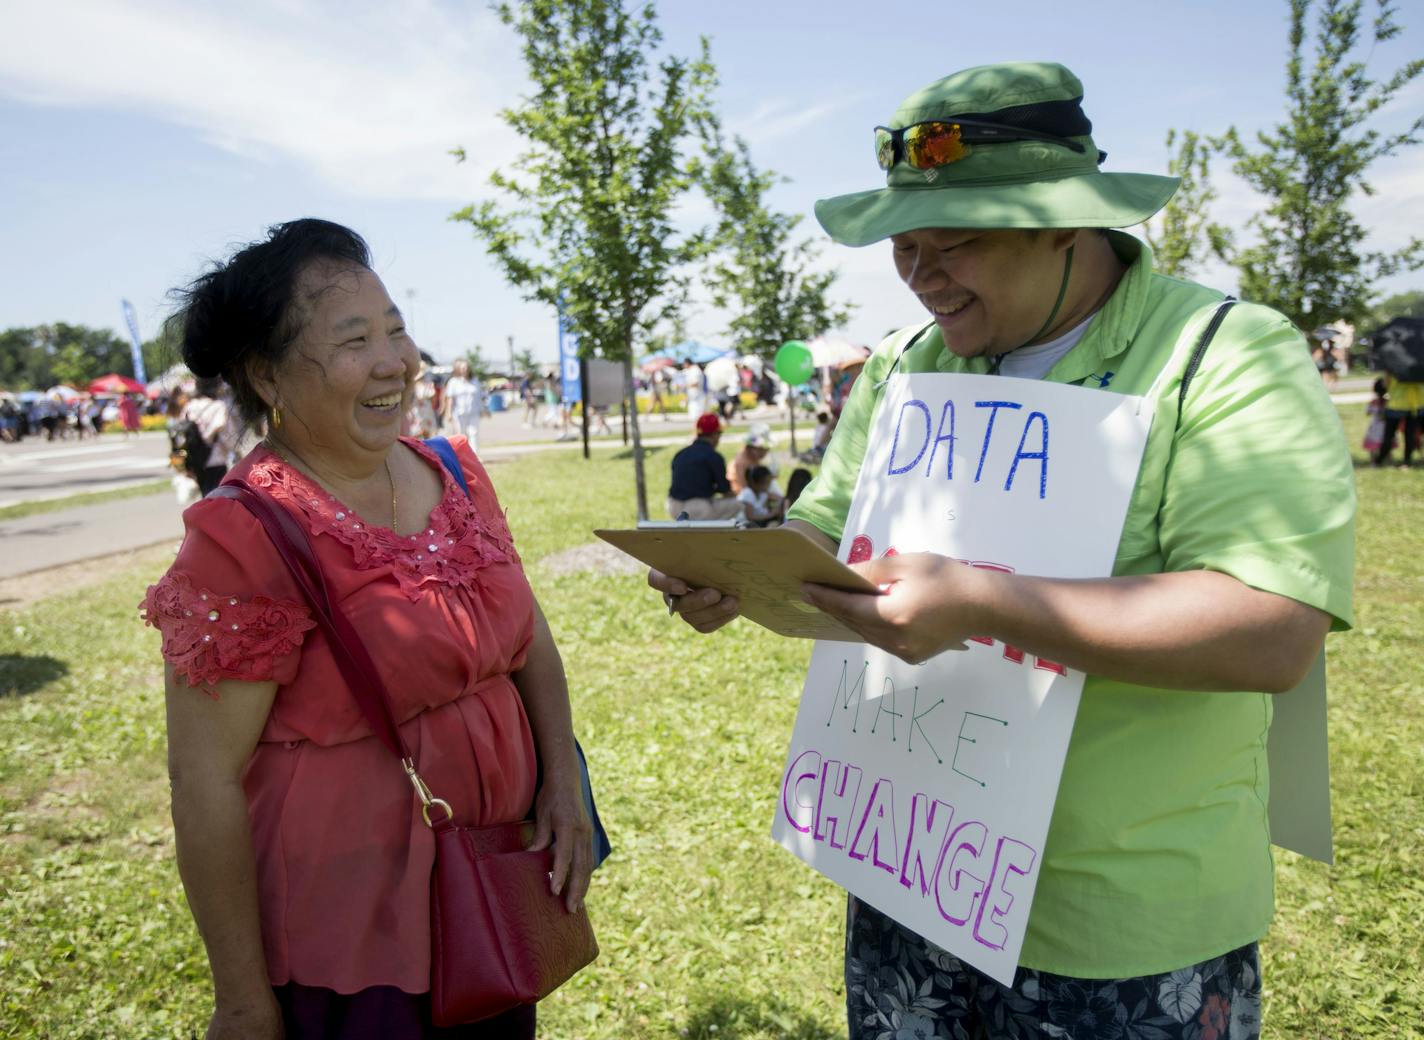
<point>930,604</point>
<point>704,609</point>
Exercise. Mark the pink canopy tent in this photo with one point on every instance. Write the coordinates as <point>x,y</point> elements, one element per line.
<point>113,383</point>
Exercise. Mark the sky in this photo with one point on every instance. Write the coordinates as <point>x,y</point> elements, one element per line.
<point>141,140</point>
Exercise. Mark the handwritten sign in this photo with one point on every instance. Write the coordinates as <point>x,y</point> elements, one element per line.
<point>927,790</point>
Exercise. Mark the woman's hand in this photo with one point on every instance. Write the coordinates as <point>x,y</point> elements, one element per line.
<point>930,604</point>
<point>704,609</point>
<point>256,1020</point>
<point>561,819</point>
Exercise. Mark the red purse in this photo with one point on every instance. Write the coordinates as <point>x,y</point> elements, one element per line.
<point>498,937</point>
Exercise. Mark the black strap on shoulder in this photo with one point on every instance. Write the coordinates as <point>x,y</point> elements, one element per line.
<point>1203,341</point>
<point>913,340</point>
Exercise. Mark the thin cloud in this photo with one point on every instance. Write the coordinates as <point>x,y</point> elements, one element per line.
<point>370,97</point>
<point>772,120</point>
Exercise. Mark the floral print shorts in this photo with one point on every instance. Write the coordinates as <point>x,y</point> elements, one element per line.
<point>902,987</point>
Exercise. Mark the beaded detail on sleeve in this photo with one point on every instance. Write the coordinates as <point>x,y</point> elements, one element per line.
<point>459,541</point>
<point>209,636</point>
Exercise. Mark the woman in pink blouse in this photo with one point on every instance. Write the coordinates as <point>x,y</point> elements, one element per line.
<point>301,848</point>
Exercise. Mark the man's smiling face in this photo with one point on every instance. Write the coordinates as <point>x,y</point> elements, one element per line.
<point>988,291</point>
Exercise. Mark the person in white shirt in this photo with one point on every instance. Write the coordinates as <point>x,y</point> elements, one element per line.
<point>464,402</point>
<point>210,410</point>
<point>761,506</point>
<point>692,381</point>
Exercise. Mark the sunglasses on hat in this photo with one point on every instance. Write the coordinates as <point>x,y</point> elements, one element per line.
<point>941,142</point>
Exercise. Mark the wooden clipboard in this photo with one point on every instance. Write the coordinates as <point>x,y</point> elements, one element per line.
<point>762,567</point>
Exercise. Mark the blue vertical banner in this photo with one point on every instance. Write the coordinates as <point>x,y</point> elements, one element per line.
<point>132,319</point>
<point>569,359</point>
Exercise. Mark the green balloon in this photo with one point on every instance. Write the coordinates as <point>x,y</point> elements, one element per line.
<point>793,362</point>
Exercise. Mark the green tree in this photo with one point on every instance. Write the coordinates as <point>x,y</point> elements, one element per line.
<point>1400,305</point>
<point>164,350</point>
<point>1182,235</point>
<point>589,223</point>
<point>524,363</point>
<point>18,355</point>
<point>82,354</point>
<point>480,368</point>
<point>40,357</point>
<point>764,278</point>
<point>1309,261</point>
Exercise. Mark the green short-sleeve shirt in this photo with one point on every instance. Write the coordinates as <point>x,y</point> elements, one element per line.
<point>1158,853</point>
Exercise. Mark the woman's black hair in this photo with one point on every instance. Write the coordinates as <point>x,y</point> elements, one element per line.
<point>757,474</point>
<point>244,308</point>
<point>800,477</point>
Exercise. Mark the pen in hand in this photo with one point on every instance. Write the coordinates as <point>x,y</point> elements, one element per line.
<point>668,597</point>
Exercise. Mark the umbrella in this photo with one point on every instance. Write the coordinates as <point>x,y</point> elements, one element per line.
<point>654,362</point>
<point>113,383</point>
<point>723,373</point>
<point>828,353</point>
<point>1325,333</point>
<point>64,393</point>
<point>1399,349</point>
<point>700,353</point>
<point>28,396</point>
<point>177,376</point>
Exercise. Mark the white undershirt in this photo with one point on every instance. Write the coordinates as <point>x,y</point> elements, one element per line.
<point>1036,361</point>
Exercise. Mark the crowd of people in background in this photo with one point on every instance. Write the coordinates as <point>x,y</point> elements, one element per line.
<point>59,417</point>
<point>1396,407</point>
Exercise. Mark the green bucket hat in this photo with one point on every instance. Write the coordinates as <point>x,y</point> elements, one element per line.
<point>1006,183</point>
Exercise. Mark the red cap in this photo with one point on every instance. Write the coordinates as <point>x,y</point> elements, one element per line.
<point>708,423</point>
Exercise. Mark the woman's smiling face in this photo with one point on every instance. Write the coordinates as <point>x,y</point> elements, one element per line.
<point>988,291</point>
<point>345,384</point>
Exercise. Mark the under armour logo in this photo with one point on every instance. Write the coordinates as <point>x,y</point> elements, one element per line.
<point>1104,379</point>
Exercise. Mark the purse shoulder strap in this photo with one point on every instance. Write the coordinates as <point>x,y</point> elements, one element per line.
<point>348,650</point>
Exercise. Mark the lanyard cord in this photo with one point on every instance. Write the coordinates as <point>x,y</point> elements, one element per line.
<point>1062,292</point>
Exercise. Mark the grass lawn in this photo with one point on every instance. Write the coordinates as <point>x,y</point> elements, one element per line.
<point>708,930</point>
<point>87,498</point>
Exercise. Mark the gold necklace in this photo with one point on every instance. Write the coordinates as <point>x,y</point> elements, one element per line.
<point>395,516</point>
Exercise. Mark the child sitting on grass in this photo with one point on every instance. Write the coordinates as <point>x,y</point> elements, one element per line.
<point>760,506</point>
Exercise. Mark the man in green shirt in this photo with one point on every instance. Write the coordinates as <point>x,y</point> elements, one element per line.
<point>1235,559</point>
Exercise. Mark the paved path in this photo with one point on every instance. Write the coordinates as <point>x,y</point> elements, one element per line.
<point>48,540</point>
<point>88,532</point>
<point>39,469</point>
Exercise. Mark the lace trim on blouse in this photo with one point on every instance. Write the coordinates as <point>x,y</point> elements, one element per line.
<point>209,637</point>
<point>457,543</point>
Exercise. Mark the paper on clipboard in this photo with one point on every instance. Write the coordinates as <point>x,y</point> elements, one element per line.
<point>762,567</point>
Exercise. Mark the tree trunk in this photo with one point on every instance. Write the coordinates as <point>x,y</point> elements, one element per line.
<point>630,391</point>
<point>583,404</point>
<point>791,400</point>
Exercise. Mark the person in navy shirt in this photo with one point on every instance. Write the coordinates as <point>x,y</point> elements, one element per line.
<point>699,477</point>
